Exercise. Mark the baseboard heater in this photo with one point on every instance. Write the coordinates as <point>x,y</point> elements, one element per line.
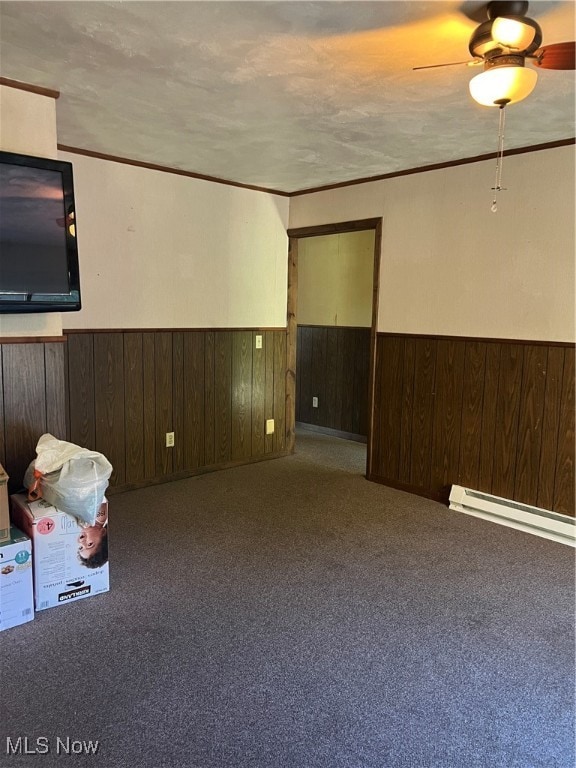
<point>540,522</point>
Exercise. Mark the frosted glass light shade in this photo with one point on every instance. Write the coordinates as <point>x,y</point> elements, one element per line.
<point>503,85</point>
<point>505,34</point>
<point>513,33</point>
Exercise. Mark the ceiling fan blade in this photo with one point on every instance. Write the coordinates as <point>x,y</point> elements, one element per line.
<point>555,56</point>
<point>469,63</point>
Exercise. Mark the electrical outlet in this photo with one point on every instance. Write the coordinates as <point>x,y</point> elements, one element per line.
<point>269,426</point>
<point>314,402</point>
<point>169,439</point>
<point>258,341</point>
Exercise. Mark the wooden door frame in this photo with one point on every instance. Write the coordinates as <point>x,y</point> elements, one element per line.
<point>291,328</point>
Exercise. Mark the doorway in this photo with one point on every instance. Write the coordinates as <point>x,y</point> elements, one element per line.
<point>296,236</point>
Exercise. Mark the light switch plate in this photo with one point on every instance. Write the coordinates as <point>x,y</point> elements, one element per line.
<point>269,426</point>
<point>258,341</point>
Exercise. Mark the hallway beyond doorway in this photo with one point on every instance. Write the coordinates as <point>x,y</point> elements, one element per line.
<point>334,452</point>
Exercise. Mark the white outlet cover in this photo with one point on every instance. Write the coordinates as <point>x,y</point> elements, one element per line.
<point>269,426</point>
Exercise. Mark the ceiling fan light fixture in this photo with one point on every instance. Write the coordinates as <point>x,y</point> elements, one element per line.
<point>504,84</point>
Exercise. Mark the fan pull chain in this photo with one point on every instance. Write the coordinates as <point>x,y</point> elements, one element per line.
<point>499,158</point>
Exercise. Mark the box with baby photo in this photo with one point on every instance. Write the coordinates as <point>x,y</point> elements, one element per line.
<point>16,601</point>
<point>70,561</point>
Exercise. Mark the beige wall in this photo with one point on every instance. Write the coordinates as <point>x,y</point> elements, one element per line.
<point>28,127</point>
<point>161,250</point>
<point>158,250</point>
<point>450,266</point>
<point>27,123</point>
<point>335,279</point>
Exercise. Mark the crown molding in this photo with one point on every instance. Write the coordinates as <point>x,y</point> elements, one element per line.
<point>51,94</point>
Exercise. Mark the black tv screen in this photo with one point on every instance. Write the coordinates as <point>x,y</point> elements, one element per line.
<point>38,244</point>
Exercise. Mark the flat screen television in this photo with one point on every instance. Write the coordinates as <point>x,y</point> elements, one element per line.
<point>38,246</point>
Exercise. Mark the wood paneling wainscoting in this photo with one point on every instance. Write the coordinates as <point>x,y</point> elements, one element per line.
<point>119,392</point>
<point>33,401</point>
<point>332,364</point>
<point>492,415</point>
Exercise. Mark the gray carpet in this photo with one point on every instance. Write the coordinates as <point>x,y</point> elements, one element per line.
<point>290,614</point>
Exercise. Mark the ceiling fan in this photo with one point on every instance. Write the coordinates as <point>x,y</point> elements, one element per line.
<point>503,44</point>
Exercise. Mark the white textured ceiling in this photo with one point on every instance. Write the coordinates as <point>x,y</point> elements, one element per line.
<point>283,95</point>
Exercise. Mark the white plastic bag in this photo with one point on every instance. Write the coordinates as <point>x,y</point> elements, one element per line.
<point>71,478</point>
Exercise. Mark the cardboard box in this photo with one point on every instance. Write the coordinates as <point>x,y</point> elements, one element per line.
<point>4,509</point>
<point>62,571</point>
<point>16,594</point>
